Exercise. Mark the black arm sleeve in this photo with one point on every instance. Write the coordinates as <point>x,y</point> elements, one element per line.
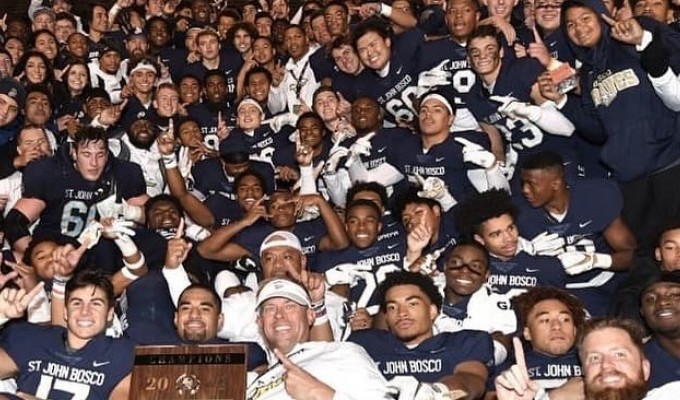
<point>16,224</point>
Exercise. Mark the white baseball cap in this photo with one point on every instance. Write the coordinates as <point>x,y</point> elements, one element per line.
<point>280,238</point>
<point>283,288</point>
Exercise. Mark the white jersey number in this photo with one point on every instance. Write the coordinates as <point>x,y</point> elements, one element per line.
<point>80,391</point>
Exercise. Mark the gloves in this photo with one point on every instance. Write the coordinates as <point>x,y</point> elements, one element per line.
<point>513,108</point>
<point>435,188</point>
<point>91,234</point>
<point>408,388</point>
<point>430,79</point>
<point>576,262</point>
<point>279,121</point>
<point>121,232</point>
<point>654,58</point>
<point>309,213</point>
<point>545,244</point>
<point>476,154</point>
<point>334,159</point>
<point>361,147</point>
<point>346,274</point>
<point>109,208</point>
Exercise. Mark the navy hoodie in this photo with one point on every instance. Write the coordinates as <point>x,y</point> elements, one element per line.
<point>618,105</point>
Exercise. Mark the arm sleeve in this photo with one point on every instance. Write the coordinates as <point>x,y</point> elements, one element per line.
<point>667,87</point>
<point>385,173</point>
<point>178,280</point>
<point>552,121</point>
<point>338,184</point>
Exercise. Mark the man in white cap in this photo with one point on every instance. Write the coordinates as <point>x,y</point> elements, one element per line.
<point>305,369</point>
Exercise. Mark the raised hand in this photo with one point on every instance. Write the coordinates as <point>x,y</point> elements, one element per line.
<point>66,258</point>
<point>14,302</point>
<point>312,281</point>
<point>178,248</point>
<point>514,383</point>
<point>628,31</point>
<point>538,49</point>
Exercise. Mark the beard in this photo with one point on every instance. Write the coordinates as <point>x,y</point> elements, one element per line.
<point>634,390</point>
<point>144,144</point>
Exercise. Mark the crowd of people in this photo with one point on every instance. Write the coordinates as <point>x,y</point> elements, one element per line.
<point>383,200</point>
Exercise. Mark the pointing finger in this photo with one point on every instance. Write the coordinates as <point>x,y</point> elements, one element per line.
<point>537,36</point>
<point>609,20</point>
<point>180,229</point>
<point>520,360</point>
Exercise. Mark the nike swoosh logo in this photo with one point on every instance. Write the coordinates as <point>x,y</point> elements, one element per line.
<point>439,159</point>
<point>382,149</point>
<point>100,364</point>
<point>584,224</point>
<point>308,238</point>
<point>399,70</point>
<point>390,247</point>
<point>529,270</point>
<point>391,224</point>
<point>227,72</point>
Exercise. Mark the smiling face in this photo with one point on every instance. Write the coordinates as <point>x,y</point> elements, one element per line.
<point>485,56</point>
<point>198,318</point>
<point>547,14</point>
<point>366,115</point>
<point>249,117</point>
<point>38,109</point>
<point>311,132</point>
<point>284,323</point>
<point>363,224</point>
<point>668,251</point>
<point>466,270</point>
<point>258,86</point>
<point>295,42</point>
<point>164,215</point>
<point>36,70</point>
<point>374,51</point>
<point>660,307</point>
<point>87,313</point>
<point>346,59</point>
<point>409,313</point>
<point>77,77</point>
<point>613,367</point>
<point>326,105</point>
<point>249,191</point>
<point>501,8</point>
<point>583,26</point>
<point>243,41</point>
<point>46,44</point>
<point>550,328</point>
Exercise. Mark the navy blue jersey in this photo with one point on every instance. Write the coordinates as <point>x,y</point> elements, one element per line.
<point>223,209</point>
<point>443,160</point>
<point>263,142</point>
<point>456,63</point>
<point>134,110</point>
<point>522,137</point>
<point>375,263</point>
<point>432,359</point>
<point>206,114</point>
<point>48,371</point>
<point>593,205</point>
<point>665,367</point>
<point>523,272</point>
<point>391,228</point>
<point>310,234</point>
<point>552,371</point>
<point>396,91</point>
<point>209,178</point>
<point>321,65</point>
<point>345,84</point>
<point>230,63</point>
<point>70,200</point>
<point>448,237</point>
<point>457,311</point>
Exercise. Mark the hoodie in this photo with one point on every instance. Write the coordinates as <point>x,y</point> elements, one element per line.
<point>619,106</point>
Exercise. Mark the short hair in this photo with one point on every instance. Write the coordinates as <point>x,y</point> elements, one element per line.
<point>151,203</point>
<point>337,43</point>
<point>167,85</point>
<point>258,70</point>
<point>633,328</point>
<point>667,225</point>
<point>229,12</point>
<point>363,203</point>
<point>481,207</point>
<point>202,286</point>
<point>476,245</point>
<point>410,196</point>
<point>401,278</point>
<point>39,239</point>
<point>87,134</point>
<point>39,88</point>
<point>87,278</point>
<point>525,302</point>
<point>190,76</point>
<point>263,14</point>
<point>28,126</point>
<point>544,160</point>
<point>370,25</point>
<point>66,16</point>
<point>214,72</point>
<point>337,3</point>
<point>290,26</point>
<point>314,14</point>
<point>474,3</point>
<point>157,18</point>
<point>484,31</point>
<point>310,115</point>
<point>322,89</point>
<point>375,187</point>
<point>255,174</point>
<point>207,32</point>
<point>184,120</point>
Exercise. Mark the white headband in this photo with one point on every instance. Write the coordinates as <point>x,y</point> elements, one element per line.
<point>437,96</point>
